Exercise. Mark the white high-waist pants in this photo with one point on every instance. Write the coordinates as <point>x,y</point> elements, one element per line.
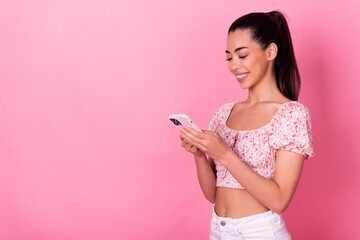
<point>263,226</point>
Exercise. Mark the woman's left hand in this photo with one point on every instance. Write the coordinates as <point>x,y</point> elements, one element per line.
<point>208,142</point>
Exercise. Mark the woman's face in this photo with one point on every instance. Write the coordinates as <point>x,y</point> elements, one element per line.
<point>246,60</point>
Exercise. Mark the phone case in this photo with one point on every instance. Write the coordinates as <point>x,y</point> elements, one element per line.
<point>183,120</point>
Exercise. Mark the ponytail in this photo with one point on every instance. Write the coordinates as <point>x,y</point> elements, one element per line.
<point>272,27</point>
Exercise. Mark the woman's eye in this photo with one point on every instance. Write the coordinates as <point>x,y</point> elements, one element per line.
<point>241,57</point>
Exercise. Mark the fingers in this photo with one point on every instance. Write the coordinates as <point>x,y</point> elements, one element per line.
<point>192,136</point>
<point>184,143</point>
<point>200,142</point>
<point>194,132</point>
<point>201,135</point>
<point>188,146</point>
<point>211,133</point>
<point>193,149</point>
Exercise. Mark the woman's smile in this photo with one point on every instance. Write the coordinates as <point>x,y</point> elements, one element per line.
<point>242,76</point>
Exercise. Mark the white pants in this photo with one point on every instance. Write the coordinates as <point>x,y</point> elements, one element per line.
<point>263,226</point>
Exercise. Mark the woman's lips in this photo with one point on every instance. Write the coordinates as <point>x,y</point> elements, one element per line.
<point>242,76</point>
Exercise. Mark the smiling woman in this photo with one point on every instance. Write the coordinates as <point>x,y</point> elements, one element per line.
<point>249,160</point>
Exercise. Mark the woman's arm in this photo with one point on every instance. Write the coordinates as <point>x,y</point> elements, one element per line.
<point>275,194</point>
<point>205,170</point>
<point>206,177</point>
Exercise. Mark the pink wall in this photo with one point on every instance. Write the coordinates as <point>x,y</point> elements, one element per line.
<point>87,151</point>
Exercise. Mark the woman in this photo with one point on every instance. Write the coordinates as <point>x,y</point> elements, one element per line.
<point>249,160</point>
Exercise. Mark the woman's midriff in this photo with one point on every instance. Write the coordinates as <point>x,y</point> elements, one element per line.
<point>236,203</point>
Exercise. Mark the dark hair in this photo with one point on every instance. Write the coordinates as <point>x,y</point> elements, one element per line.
<point>271,27</point>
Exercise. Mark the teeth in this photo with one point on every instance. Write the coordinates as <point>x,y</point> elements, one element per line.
<point>242,75</point>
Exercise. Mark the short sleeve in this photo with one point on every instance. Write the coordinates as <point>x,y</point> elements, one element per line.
<point>294,131</point>
<point>217,118</point>
<point>214,121</point>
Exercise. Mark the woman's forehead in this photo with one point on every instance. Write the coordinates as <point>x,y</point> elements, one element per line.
<point>239,39</point>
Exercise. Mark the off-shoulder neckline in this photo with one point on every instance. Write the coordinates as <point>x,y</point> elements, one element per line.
<point>231,106</point>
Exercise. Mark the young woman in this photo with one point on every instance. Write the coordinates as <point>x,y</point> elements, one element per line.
<point>250,158</point>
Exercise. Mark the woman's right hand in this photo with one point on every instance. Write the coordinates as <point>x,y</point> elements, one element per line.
<point>190,148</point>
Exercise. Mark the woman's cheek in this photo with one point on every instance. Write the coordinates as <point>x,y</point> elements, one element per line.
<point>229,66</point>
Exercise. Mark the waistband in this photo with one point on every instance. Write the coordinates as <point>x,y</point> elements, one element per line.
<point>253,223</point>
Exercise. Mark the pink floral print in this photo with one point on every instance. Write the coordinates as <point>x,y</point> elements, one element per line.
<point>289,129</point>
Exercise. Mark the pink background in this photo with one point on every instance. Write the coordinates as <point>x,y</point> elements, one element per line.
<point>87,151</point>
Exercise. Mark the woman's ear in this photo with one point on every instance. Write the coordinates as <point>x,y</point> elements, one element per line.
<point>271,51</point>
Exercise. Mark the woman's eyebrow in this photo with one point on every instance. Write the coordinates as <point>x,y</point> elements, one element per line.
<point>236,50</point>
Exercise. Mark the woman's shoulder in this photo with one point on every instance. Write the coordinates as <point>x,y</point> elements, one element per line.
<point>296,107</point>
<point>293,130</point>
<point>225,107</point>
<point>219,116</point>
<point>294,113</point>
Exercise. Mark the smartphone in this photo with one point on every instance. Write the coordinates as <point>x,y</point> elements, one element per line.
<point>183,120</point>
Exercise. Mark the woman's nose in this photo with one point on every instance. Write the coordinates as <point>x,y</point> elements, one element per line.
<point>235,63</point>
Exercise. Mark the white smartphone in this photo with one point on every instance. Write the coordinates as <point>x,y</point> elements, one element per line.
<point>183,120</point>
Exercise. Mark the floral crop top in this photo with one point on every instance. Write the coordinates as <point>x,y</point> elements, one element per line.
<point>289,129</point>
